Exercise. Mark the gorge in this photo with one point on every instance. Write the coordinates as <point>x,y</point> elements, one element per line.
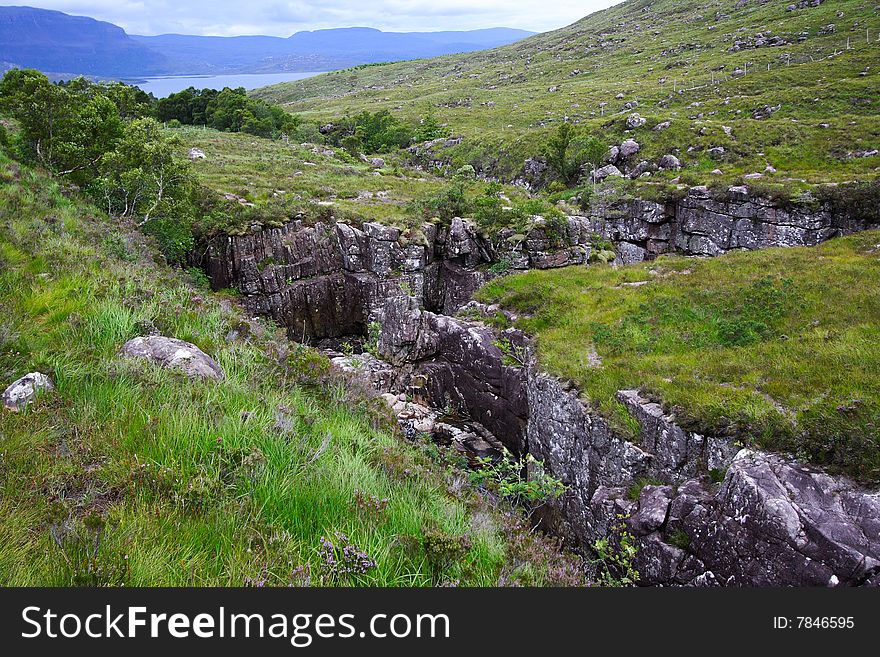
<point>704,510</point>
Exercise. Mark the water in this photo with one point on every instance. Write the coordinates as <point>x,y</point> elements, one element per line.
<point>165,86</point>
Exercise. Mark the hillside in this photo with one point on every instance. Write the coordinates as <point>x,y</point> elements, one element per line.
<point>283,473</point>
<point>792,86</point>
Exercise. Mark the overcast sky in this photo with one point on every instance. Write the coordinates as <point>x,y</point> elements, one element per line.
<point>283,18</point>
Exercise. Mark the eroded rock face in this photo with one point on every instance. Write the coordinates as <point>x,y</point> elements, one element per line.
<point>450,363</point>
<point>702,225</point>
<point>770,521</point>
<point>173,354</point>
<point>327,281</point>
<point>23,391</point>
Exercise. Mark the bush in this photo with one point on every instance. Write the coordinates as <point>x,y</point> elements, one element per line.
<point>520,480</point>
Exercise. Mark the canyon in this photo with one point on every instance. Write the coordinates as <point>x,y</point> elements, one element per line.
<point>704,510</point>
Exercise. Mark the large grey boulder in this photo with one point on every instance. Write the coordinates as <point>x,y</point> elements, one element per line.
<point>774,522</point>
<point>629,148</point>
<point>608,171</point>
<point>174,354</point>
<point>23,391</point>
<point>669,161</point>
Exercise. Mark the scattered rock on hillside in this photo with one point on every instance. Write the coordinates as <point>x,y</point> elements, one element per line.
<point>643,168</point>
<point>635,120</point>
<point>612,154</point>
<point>662,125</point>
<point>765,111</point>
<point>629,148</point>
<point>196,154</point>
<point>23,391</point>
<point>606,172</point>
<point>716,152</point>
<point>670,162</point>
<point>377,162</point>
<point>175,354</point>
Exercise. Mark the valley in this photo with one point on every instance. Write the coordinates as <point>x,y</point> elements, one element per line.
<point>598,307</point>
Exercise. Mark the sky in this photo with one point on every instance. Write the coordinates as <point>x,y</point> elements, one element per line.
<point>283,18</point>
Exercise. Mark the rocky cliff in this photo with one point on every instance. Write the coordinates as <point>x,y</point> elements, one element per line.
<point>715,513</point>
<point>703,510</point>
<point>330,280</point>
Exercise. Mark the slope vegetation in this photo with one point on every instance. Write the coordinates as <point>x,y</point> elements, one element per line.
<point>789,85</point>
<point>128,474</point>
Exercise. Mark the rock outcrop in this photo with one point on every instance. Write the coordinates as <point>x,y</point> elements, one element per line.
<point>329,280</point>
<point>720,515</point>
<point>174,354</point>
<point>23,391</point>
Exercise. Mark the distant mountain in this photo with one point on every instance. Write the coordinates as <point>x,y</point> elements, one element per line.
<point>56,42</point>
<point>318,50</point>
<point>59,43</point>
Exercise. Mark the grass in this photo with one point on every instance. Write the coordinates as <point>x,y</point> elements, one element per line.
<point>289,180</point>
<point>777,348</point>
<point>673,58</point>
<point>132,475</point>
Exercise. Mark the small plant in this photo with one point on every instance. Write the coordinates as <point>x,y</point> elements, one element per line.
<point>601,249</point>
<point>442,551</point>
<point>680,539</point>
<point>342,561</point>
<point>369,505</point>
<point>615,556</point>
<point>520,480</point>
<point>307,364</point>
<point>87,560</point>
<point>501,266</point>
<point>635,489</point>
<point>374,332</point>
<point>512,354</point>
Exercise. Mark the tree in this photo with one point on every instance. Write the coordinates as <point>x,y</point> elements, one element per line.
<point>142,178</point>
<point>567,153</point>
<point>64,128</point>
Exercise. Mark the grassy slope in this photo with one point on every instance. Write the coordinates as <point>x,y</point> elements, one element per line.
<point>190,482</point>
<point>288,179</point>
<point>626,50</point>
<point>780,346</point>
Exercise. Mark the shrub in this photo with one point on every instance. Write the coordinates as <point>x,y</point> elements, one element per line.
<point>615,557</point>
<point>520,480</point>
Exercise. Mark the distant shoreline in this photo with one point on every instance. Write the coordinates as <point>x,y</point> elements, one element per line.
<point>165,85</point>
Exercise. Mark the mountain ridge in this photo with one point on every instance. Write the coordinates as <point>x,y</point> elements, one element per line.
<point>56,42</point>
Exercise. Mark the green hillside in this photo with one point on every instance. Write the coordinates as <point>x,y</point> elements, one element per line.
<point>779,348</point>
<point>282,474</point>
<point>809,107</point>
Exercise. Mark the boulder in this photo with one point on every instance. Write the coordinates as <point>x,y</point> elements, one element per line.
<point>629,148</point>
<point>635,120</point>
<point>716,152</point>
<point>607,172</point>
<point>196,154</point>
<point>670,162</point>
<point>23,391</point>
<point>175,354</point>
<point>612,155</point>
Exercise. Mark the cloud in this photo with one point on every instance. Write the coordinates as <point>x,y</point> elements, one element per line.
<point>283,18</point>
